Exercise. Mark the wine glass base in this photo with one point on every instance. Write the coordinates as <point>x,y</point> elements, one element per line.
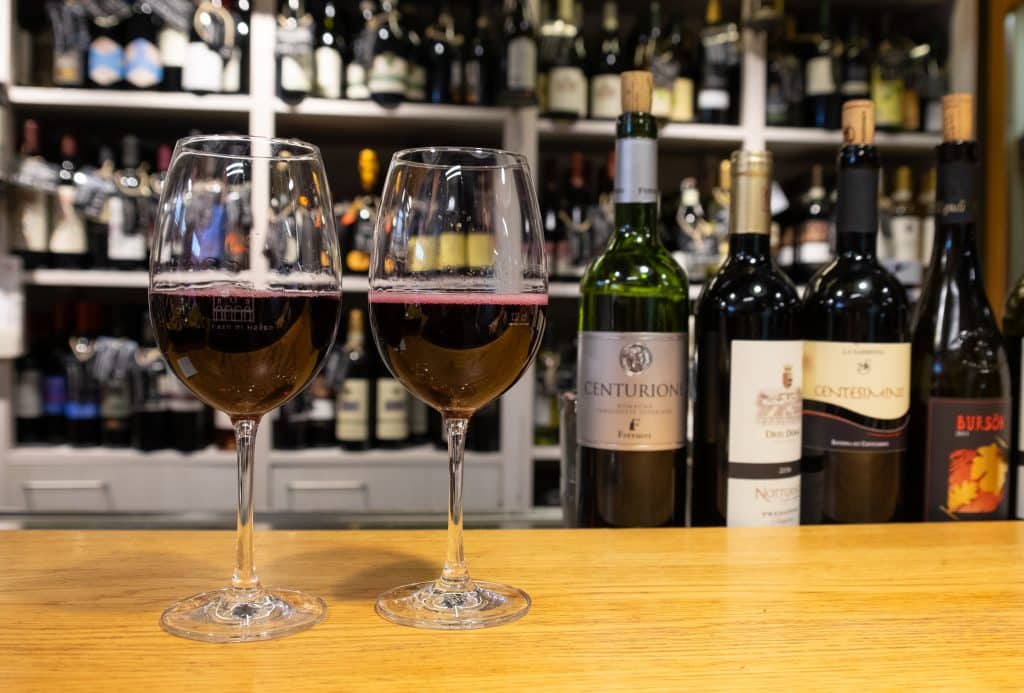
<point>423,605</point>
<point>230,615</point>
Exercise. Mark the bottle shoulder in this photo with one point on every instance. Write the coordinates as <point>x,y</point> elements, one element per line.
<point>640,270</point>
<point>1013,315</point>
<point>854,284</point>
<point>753,287</point>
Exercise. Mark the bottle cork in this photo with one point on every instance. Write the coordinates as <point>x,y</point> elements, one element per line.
<point>636,91</point>
<point>957,117</point>
<point>859,122</point>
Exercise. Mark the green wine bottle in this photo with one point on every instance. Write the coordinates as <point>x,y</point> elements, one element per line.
<point>632,365</point>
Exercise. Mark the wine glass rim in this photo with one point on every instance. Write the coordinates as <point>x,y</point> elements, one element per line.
<point>502,158</point>
<point>306,151</point>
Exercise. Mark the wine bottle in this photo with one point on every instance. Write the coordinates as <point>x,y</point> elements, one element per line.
<point>605,92</point>
<point>812,248</point>
<point>555,240</point>
<point>70,42</point>
<point>361,216</point>
<point>389,66</point>
<point>905,222</point>
<point>819,83</point>
<point>665,64</point>
<point>887,81</point>
<point>114,376</point>
<point>545,393</point>
<point>203,71</point>
<point>960,378</point>
<point>698,249</point>
<point>106,53</point>
<point>391,407</point>
<point>567,79</point>
<point>439,51</point>
<point>856,355</point>
<point>32,231</point>
<point>926,208</point>
<point>856,69</point>
<point>143,68</point>
<point>172,41</point>
<point>329,63</point>
<point>747,419</point>
<point>519,60</point>
<point>234,56</point>
<point>481,67</point>
<point>55,379</point>
<point>632,363</point>
<point>127,231</point>
<point>30,419</point>
<point>353,410</point>
<point>294,47</point>
<point>576,220</point>
<point>356,71</point>
<point>68,241</point>
<point>320,424</point>
<point>149,410</point>
<point>714,99</point>
<point>684,67</point>
<point>82,409</point>
<point>784,90</point>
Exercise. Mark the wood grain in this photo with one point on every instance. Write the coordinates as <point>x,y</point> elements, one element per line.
<point>883,606</point>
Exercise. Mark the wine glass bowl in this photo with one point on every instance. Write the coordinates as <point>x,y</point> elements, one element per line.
<point>458,292</point>
<point>245,296</point>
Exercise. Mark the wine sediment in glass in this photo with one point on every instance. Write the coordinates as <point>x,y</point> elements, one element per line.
<point>457,352</point>
<point>240,350</point>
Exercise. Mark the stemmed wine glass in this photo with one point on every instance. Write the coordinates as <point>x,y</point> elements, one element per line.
<point>244,295</point>
<point>458,292</point>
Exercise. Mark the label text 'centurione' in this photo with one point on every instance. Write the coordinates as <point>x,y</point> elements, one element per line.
<point>597,389</point>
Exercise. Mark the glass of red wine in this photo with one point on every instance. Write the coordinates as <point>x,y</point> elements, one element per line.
<point>458,292</point>
<point>244,295</point>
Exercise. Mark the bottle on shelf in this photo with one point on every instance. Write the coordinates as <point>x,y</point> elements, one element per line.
<point>905,228</point>
<point>519,59</point>
<point>960,379</point>
<point>356,87</point>
<point>576,221</point>
<point>666,63</point>
<point>439,54</point>
<point>361,216</point>
<point>698,248</point>
<point>129,212</point>
<point>545,393</point>
<point>98,215</point>
<point>31,234</point>
<point>812,249</point>
<point>718,210</point>
<point>203,71</point>
<point>481,61</point>
<point>320,422</point>
<point>30,415</point>
<point>683,48</point>
<point>172,41</point>
<point>605,92</point>
<point>289,428</point>
<point>747,419</point>
<point>143,67</point>
<point>887,80</point>
<point>355,388</point>
<point>933,87</point>
<point>647,30</point>
<point>926,208</point>
<point>603,215</point>
<point>784,97</point>
<point>487,422</point>
<point>69,247</point>
<point>567,77</point>
<point>822,97</point>
<point>556,242</point>
<point>105,65</point>
<point>631,467</point>
<point>856,66</point>
<point>82,409</point>
<point>70,27</point>
<point>714,99</point>
<point>417,55</point>
<point>234,77</point>
<point>186,417</point>
<point>856,355</point>
<point>55,378</point>
<point>294,49</point>
<point>391,407</point>
<point>389,65</point>
<point>113,372</point>
<point>149,410</point>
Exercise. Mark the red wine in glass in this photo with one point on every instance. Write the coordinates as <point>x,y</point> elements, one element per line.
<point>240,350</point>
<point>457,351</point>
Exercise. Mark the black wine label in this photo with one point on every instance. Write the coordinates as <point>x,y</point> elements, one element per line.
<point>966,462</point>
<point>955,193</point>
<point>857,209</point>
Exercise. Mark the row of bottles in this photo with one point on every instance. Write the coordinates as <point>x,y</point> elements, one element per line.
<point>142,44</point>
<point>830,407</point>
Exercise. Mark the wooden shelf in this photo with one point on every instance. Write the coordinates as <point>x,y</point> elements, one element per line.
<point>808,140</point>
<point>369,116</point>
<point>66,454</point>
<point>672,133</point>
<point>420,454</point>
<point>97,278</point>
<point>177,104</point>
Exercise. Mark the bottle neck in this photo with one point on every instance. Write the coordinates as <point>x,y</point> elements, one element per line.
<point>750,213</point>
<point>857,206</point>
<point>955,251</point>
<point>755,246</point>
<point>636,180</point>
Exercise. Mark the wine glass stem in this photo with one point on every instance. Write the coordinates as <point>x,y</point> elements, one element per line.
<point>244,578</point>
<point>455,576</point>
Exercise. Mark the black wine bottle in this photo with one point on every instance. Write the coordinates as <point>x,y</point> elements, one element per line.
<point>105,64</point>
<point>960,378</point>
<point>746,454</point>
<point>389,65</point>
<point>481,61</point>
<point>69,247</point>
<point>519,60</point>
<point>143,67</point>
<point>329,54</point>
<point>353,410</point>
<point>856,355</point>
<point>822,97</point>
<point>631,378</point>
<point>294,47</point>
<point>605,89</point>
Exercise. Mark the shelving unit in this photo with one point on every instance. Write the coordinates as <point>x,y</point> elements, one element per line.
<point>335,480</point>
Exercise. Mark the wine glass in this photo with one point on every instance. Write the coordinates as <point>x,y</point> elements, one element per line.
<point>458,292</point>
<point>245,295</point>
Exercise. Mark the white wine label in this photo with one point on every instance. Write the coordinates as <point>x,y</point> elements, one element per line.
<point>33,229</point>
<point>605,96</point>
<point>232,79</point>
<point>203,70</point>
<point>68,235</point>
<point>632,390</point>
<point>636,171</point>
<point>355,82</point>
<point>927,237</point>
<point>29,395</point>
<point>888,97</point>
<point>416,85</point>
<point>819,76</point>
<point>328,72</point>
<point>295,74</point>
<point>322,410</point>
<point>682,100</point>
<point>352,411</point>
<point>522,63</point>
<point>853,87</point>
<point>906,237</point>
<point>122,245</point>
<point>765,414</point>
<point>567,91</point>
<point>713,100</point>
<point>173,45</point>
<point>388,74</point>
<point>661,102</point>
<point>392,410</point>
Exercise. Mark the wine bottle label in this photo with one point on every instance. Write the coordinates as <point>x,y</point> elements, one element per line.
<point>296,74</point>
<point>966,464</point>
<point>451,251</point>
<point>67,68</point>
<point>68,235</point>
<point>232,79</point>
<point>115,404</point>
<point>328,72</point>
<point>422,253</point>
<point>813,247</point>
<point>567,91</point>
<point>682,100</point>
<point>123,243</point>
<point>856,88</point>
<point>321,410</point>
<point>54,395</point>
<point>888,97</point>
<point>416,85</point>
<point>388,74</point>
<point>955,193</point>
<point>764,433</point>
<point>927,237</point>
<point>933,116</point>
<point>713,100</point>
<point>142,65</point>
<point>819,76</point>
<point>856,396</point>
<point>522,64</point>
<point>81,411</point>
<point>203,70</point>
<point>173,45</point>
<point>479,250</point>
<point>419,417</point>
<point>29,396</point>
<point>355,82</point>
<point>905,232</point>
<point>106,61</point>
<point>542,414</point>
<point>392,410</point>
<point>474,82</point>
<point>632,390</point>
<point>636,173</point>
<point>33,231</point>
<point>605,96</point>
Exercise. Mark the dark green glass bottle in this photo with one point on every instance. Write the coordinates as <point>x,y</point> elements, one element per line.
<point>632,365</point>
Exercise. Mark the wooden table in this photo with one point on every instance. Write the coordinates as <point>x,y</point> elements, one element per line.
<point>894,606</point>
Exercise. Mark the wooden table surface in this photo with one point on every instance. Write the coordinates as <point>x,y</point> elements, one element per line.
<point>860,607</point>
